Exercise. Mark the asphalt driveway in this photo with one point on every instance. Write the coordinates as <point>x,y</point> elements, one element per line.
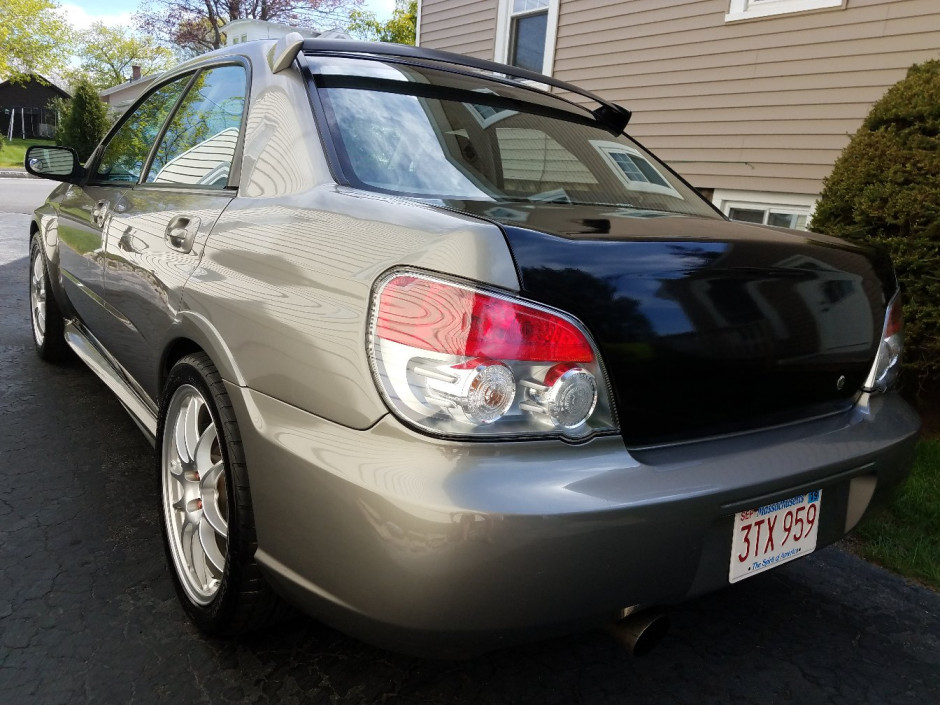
<point>88,614</point>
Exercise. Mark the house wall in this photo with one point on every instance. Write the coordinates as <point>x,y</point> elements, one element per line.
<point>119,98</point>
<point>249,30</point>
<point>27,104</point>
<point>762,105</point>
<point>460,25</point>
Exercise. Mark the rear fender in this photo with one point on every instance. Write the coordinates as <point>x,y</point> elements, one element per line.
<point>196,328</point>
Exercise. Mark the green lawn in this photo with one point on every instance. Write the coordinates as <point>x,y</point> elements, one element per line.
<point>905,537</point>
<point>14,151</point>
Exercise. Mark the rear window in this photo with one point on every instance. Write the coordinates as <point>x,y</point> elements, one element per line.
<point>420,132</point>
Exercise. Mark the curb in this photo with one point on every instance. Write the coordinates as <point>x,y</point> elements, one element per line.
<point>15,174</point>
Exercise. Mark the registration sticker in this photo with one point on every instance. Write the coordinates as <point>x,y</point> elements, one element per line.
<point>774,534</point>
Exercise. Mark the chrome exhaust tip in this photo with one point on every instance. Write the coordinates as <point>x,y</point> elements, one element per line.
<point>640,632</point>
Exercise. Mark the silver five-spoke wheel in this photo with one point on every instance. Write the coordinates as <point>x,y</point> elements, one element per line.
<point>195,502</point>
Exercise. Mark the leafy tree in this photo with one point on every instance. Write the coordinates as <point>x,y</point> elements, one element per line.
<point>34,38</point>
<point>196,25</point>
<point>84,121</point>
<point>106,55</point>
<point>400,29</point>
<point>885,190</point>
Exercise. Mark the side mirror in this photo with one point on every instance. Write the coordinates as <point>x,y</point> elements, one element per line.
<point>57,163</point>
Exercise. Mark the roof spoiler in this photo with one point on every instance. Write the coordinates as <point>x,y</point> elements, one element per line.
<point>284,52</point>
<point>612,116</point>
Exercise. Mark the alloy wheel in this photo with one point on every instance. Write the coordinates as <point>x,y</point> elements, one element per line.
<point>195,501</point>
<point>37,299</point>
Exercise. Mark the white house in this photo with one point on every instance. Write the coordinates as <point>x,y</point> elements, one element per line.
<point>249,30</point>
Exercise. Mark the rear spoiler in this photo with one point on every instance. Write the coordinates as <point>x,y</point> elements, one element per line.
<point>612,116</point>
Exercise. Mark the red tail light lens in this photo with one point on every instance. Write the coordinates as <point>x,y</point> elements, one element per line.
<point>456,359</point>
<point>894,324</point>
<point>439,317</point>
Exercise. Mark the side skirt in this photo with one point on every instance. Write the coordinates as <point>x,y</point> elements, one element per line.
<point>138,404</point>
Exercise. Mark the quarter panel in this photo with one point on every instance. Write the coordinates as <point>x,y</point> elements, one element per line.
<point>282,153</point>
<point>286,282</point>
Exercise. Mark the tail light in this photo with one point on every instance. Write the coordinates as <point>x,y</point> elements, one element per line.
<point>459,360</point>
<point>888,360</point>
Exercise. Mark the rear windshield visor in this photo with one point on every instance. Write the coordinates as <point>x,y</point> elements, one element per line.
<point>420,132</point>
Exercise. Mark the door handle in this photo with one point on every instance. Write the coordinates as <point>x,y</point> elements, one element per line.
<point>100,212</point>
<point>181,233</point>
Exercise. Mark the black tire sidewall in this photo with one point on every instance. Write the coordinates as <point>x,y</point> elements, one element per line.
<point>216,616</point>
<point>53,347</point>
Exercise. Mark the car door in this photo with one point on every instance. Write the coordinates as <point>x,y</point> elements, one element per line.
<point>85,211</point>
<point>159,225</point>
<point>82,215</point>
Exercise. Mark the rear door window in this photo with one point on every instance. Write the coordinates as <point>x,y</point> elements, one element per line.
<point>200,141</point>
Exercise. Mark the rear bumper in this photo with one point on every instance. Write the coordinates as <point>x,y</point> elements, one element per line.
<point>440,547</point>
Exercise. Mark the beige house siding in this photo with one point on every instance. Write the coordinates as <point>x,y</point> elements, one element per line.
<point>465,26</point>
<point>759,105</point>
<point>762,105</point>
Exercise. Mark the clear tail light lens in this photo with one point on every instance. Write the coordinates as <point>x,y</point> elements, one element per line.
<point>888,360</point>
<point>459,360</point>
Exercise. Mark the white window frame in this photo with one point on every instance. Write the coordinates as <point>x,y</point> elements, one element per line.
<point>756,9</point>
<point>768,209</point>
<point>504,23</point>
<point>418,25</point>
<point>785,203</point>
<point>607,149</point>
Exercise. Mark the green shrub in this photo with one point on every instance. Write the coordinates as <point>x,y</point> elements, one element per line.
<point>84,121</point>
<point>885,190</point>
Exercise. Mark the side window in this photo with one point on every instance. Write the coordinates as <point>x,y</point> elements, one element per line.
<point>528,24</point>
<point>126,153</point>
<point>526,32</point>
<point>200,142</point>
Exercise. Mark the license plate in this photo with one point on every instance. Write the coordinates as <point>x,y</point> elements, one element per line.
<point>774,534</point>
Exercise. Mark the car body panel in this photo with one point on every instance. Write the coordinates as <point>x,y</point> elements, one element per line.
<point>46,224</point>
<point>285,285</point>
<point>81,234</point>
<point>750,326</point>
<point>281,153</point>
<point>145,273</point>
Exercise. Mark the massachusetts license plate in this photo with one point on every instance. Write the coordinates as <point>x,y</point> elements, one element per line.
<point>774,534</point>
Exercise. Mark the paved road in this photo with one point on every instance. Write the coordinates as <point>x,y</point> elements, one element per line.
<point>87,612</point>
<point>23,195</point>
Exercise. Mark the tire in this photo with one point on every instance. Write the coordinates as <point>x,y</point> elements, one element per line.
<point>45,317</point>
<point>207,520</point>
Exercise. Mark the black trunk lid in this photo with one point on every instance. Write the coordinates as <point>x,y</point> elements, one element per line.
<point>706,327</point>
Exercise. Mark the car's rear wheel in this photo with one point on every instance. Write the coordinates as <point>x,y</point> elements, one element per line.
<point>208,524</point>
<point>47,322</point>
